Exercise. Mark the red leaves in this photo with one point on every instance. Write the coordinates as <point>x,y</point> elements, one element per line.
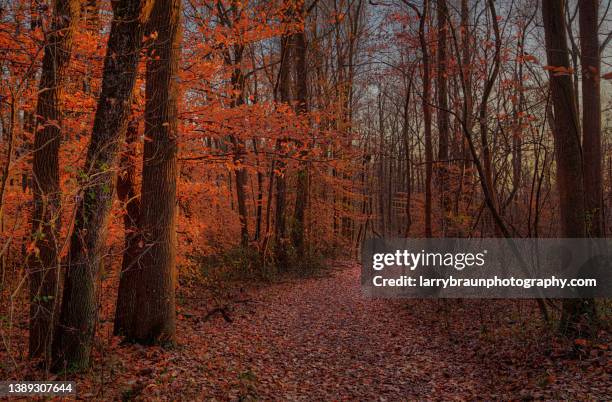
<point>580,342</point>
<point>31,248</point>
<point>559,70</point>
<point>529,58</point>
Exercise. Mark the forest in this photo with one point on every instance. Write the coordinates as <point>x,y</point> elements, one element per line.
<point>186,186</point>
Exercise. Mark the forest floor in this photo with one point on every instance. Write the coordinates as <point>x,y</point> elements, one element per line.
<point>319,339</point>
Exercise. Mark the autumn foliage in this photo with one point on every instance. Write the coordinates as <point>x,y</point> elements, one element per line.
<point>153,149</point>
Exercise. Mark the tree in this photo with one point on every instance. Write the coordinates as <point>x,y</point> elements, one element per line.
<point>483,114</point>
<point>443,119</point>
<point>46,222</point>
<point>426,112</point>
<point>233,55</point>
<point>568,153</point>
<point>591,116</point>
<point>77,322</point>
<point>127,194</point>
<point>283,89</point>
<point>154,317</point>
<point>301,108</point>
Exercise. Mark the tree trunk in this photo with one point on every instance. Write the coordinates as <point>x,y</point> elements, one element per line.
<point>238,85</point>
<point>427,119</point>
<point>301,86</point>
<point>259,200</point>
<point>466,63</point>
<point>241,182</point>
<point>567,151</point>
<point>381,162</point>
<point>483,115</point>
<point>75,332</point>
<point>128,195</point>
<point>443,119</point>
<point>46,222</point>
<point>281,185</point>
<point>591,116</point>
<point>154,319</point>
<point>407,144</point>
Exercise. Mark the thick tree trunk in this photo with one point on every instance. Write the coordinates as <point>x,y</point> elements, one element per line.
<point>576,312</point>
<point>591,116</point>
<point>567,137</point>
<point>75,331</point>
<point>154,319</point>
<point>128,195</point>
<point>46,222</point>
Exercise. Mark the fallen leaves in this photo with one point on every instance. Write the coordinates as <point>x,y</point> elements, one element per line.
<point>319,339</point>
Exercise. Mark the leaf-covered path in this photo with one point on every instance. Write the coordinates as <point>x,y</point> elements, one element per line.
<point>319,339</point>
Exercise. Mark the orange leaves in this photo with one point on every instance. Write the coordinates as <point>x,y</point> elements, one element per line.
<point>559,70</point>
<point>32,248</point>
<point>580,342</point>
<point>528,58</point>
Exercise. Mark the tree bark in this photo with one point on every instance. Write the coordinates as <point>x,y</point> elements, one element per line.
<point>576,312</point>
<point>426,119</point>
<point>259,199</point>
<point>46,222</point>
<point>238,84</point>
<point>442,113</point>
<point>241,182</point>
<point>407,146</point>
<point>75,332</point>
<point>483,116</point>
<point>591,116</point>
<point>301,108</point>
<point>154,320</point>
<point>128,195</point>
<point>281,185</point>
